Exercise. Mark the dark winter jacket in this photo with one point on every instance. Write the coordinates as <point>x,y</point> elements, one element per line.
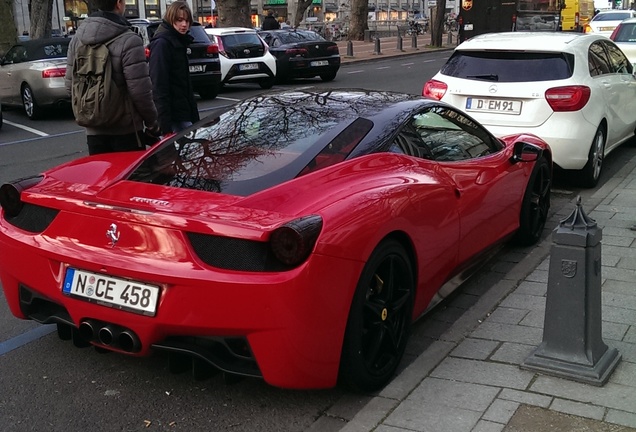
<point>270,23</point>
<point>170,74</point>
<point>130,69</point>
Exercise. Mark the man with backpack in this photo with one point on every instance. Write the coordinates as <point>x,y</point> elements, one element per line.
<point>107,78</point>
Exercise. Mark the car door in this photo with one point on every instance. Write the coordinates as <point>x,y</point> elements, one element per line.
<point>489,188</point>
<point>9,82</point>
<point>625,82</point>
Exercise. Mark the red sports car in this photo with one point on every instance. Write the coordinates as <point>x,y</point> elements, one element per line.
<point>293,236</point>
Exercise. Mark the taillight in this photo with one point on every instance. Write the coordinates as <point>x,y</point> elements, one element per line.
<point>576,19</point>
<point>568,98</point>
<point>615,32</point>
<point>587,29</point>
<point>293,242</point>
<point>296,52</point>
<point>333,49</point>
<point>212,49</point>
<point>10,194</point>
<point>220,47</point>
<point>57,72</point>
<point>434,89</point>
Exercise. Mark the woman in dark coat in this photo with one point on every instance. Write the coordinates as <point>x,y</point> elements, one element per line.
<point>169,70</point>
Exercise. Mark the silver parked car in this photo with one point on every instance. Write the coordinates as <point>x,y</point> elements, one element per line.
<point>32,75</point>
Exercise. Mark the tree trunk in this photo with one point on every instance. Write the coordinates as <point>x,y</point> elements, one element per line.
<point>301,7</point>
<point>437,23</point>
<point>41,13</point>
<point>359,19</point>
<point>8,30</point>
<point>234,13</point>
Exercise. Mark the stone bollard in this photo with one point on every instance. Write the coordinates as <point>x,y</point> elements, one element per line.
<point>414,41</point>
<point>450,37</point>
<point>572,345</point>
<point>399,43</point>
<point>376,49</point>
<point>349,49</point>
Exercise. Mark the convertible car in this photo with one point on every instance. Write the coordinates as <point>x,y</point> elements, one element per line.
<point>292,237</point>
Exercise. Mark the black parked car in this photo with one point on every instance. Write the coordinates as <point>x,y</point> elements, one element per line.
<point>302,54</point>
<point>205,69</point>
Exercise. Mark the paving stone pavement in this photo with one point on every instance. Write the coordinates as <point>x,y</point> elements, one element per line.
<point>469,378</point>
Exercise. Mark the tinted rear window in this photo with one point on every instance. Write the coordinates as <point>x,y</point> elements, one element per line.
<point>199,35</point>
<point>613,16</point>
<point>240,40</point>
<point>299,36</point>
<point>509,66</point>
<point>626,33</point>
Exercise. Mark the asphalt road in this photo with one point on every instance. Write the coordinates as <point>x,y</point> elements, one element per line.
<point>49,385</point>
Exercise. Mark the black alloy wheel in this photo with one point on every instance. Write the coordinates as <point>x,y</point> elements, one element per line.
<point>536,203</point>
<point>379,320</point>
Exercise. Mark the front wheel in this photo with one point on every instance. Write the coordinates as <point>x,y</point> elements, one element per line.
<point>328,76</point>
<point>535,205</point>
<point>591,172</point>
<point>267,83</point>
<point>209,92</point>
<point>31,108</point>
<point>379,319</point>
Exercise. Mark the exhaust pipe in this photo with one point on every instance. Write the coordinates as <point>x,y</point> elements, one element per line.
<point>128,341</point>
<point>105,335</point>
<point>87,330</point>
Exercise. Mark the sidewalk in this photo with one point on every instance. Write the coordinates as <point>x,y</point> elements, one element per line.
<point>469,379</point>
<point>388,47</point>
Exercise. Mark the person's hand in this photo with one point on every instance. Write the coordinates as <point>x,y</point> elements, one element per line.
<point>153,130</point>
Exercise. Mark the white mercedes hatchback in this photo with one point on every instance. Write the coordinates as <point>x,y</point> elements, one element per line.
<point>576,91</point>
<point>244,56</point>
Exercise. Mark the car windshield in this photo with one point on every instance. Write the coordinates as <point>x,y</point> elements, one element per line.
<point>255,145</point>
<point>509,66</point>
<point>612,16</point>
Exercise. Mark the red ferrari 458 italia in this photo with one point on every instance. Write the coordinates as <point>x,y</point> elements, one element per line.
<point>293,236</point>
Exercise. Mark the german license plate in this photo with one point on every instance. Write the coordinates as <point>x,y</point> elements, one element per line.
<point>248,66</point>
<point>197,68</point>
<point>607,28</point>
<point>320,63</point>
<point>500,106</point>
<point>110,291</point>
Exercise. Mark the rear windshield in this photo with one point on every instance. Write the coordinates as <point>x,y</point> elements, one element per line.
<point>506,66</point>
<point>613,16</point>
<point>240,40</point>
<point>299,36</point>
<point>199,35</point>
<point>625,33</point>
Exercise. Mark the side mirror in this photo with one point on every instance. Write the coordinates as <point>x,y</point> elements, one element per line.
<point>525,152</point>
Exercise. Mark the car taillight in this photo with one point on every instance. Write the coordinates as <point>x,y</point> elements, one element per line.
<point>296,52</point>
<point>568,98</point>
<point>434,89</point>
<point>587,29</point>
<point>10,200</point>
<point>220,47</point>
<point>292,243</point>
<point>615,32</point>
<point>212,49</point>
<point>333,49</point>
<point>58,72</point>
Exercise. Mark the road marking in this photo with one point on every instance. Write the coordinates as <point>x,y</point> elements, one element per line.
<point>229,99</point>
<point>407,64</point>
<point>39,138</point>
<point>26,338</point>
<point>26,128</point>
<point>355,72</point>
<point>384,67</point>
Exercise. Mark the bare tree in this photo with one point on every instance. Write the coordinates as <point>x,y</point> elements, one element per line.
<point>41,13</point>
<point>437,23</point>
<point>301,7</point>
<point>234,13</point>
<point>359,19</point>
<point>8,30</point>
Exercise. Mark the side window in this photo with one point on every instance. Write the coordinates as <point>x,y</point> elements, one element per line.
<point>409,142</point>
<point>16,54</point>
<point>450,136</point>
<point>597,60</point>
<point>619,62</point>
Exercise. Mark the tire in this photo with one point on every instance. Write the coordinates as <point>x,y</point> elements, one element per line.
<point>379,320</point>
<point>31,108</point>
<point>267,83</point>
<point>209,92</point>
<point>328,76</point>
<point>535,205</point>
<point>591,172</point>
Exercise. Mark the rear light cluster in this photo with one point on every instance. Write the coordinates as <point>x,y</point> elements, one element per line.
<point>10,200</point>
<point>615,32</point>
<point>296,52</point>
<point>212,50</point>
<point>434,89</point>
<point>333,49</point>
<point>292,243</point>
<point>57,72</point>
<point>568,98</point>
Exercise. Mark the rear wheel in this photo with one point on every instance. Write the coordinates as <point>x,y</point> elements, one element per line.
<point>379,319</point>
<point>31,108</point>
<point>535,206</point>
<point>209,92</point>
<point>591,172</point>
<point>328,76</point>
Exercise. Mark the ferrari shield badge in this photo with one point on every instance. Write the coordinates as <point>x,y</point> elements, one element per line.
<point>467,4</point>
<point>112,234</point>
<point>568,268</point>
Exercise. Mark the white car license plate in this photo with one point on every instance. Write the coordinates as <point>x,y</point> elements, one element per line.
<point>468,27</point>
<point>499,106</point>
<point>320,63</point>
<point>607,28</point>
<point>111,291</point>
<point>197,68</point>
<point>248,66</point>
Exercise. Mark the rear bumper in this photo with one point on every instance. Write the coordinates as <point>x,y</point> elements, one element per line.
<point>292,322</point>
